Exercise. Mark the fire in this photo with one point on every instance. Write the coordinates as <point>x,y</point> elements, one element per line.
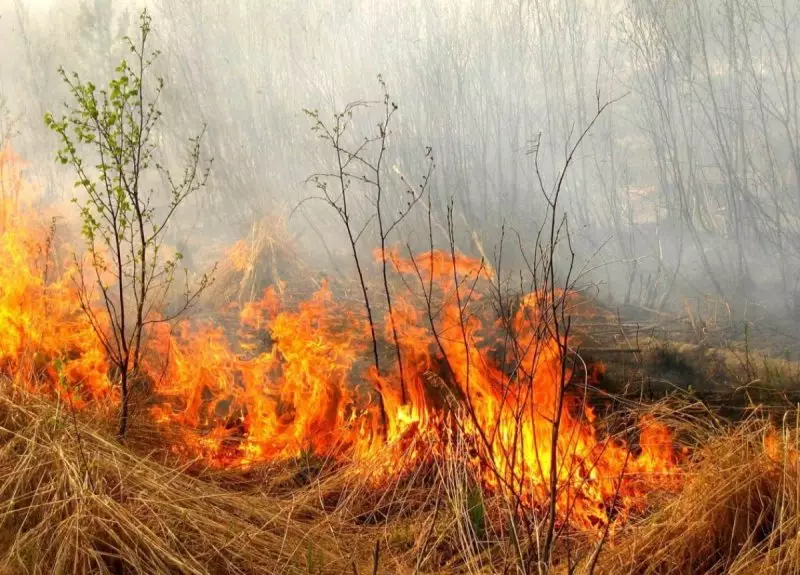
<point>239,255</point>
<point>47,343</point>
<point>271,379</point>
<point>308,386</point>
<point>274,403</point>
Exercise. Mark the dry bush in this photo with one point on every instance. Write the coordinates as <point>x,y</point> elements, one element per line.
<point>267,256</point>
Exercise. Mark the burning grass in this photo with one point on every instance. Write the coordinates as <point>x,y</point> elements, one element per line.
<point>264,441</point>
<point>738,511</point>
<point>290,377</point>
<point>74,500</point>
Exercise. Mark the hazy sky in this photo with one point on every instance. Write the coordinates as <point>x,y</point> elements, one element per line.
<point>478,81</point>
<point>32,3</point>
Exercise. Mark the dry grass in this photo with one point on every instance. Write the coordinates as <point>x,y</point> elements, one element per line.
<point>265,257</point>
<point>738,512</point>
<point>73,500</point>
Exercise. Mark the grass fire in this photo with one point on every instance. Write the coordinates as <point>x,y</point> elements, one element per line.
<point>380,376</point>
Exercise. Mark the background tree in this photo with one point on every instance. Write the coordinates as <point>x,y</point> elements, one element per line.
<point>688,182</point>
<point>108,138</point>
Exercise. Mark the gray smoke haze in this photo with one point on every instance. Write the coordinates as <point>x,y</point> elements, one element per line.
<point>688,185</point>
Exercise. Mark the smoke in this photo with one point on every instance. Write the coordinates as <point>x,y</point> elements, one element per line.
<point>687,186</point>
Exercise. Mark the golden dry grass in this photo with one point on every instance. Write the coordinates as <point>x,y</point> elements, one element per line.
<point>73,500</point>
<point>737,513</point>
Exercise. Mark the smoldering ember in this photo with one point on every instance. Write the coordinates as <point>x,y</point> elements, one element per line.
<point>456,286</point>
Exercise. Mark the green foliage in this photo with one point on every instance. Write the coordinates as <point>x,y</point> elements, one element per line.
<point>314,559</point>
<point>477,512</point>
<point>108,136</point>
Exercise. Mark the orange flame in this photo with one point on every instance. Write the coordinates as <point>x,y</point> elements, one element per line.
<point>47,343</point>
<point>280,379</point>
<point>300,393</point>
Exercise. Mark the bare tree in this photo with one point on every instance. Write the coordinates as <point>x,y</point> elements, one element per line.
<point>364,162</point>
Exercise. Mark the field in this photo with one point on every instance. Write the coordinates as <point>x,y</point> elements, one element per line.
<point>75,501</point>
<point>677,444</point>
<point>542,321</point>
